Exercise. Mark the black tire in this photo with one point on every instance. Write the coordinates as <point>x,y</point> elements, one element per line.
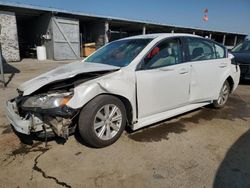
<point>87,118</point>
<point>220,104</point>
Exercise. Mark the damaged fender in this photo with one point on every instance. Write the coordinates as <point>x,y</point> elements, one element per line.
<point>114,84</point>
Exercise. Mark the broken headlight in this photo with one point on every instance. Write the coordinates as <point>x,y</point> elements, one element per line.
<point>47,101</point>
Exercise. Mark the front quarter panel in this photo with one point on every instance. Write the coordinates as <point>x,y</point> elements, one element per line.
<point>120,83</point>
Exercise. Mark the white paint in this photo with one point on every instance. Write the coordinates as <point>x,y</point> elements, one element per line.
<point>41,53</point>
<point>161,93</point>
<point>162,88</point>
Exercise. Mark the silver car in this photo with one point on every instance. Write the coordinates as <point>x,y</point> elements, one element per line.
<point>133,82</point>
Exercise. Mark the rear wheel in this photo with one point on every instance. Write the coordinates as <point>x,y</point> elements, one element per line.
<point>102,121</point>
<point>223,97</point>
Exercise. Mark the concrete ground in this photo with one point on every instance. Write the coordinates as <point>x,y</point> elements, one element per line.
<point>203,148</point>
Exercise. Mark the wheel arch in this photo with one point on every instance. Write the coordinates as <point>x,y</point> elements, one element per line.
<point>127,104</point>
<point>231,83</point>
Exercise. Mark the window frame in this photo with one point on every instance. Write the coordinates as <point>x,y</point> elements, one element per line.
<point>212,42</point>
<point>179,39</point>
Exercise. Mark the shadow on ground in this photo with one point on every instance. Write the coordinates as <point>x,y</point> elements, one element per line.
<point>236,109</point>
<point>234,171</point>
<point>9,70</point>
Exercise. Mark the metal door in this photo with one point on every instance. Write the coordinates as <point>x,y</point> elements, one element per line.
<point>66,41</point>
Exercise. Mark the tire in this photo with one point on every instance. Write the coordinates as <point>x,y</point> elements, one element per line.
<point>95,127</point>
<point>223,97</point>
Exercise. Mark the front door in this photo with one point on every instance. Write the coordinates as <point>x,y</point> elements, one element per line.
<point>163,81</point>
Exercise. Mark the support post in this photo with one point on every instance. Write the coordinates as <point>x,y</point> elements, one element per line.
<point>224,39</point>
<point>106,29</point>
<point>235,40</point>
<point>1,62</point>
<point>144,30</point>
<point>1,68</point>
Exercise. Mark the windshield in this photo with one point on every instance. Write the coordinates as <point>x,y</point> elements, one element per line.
<point>242,47</point>
<point>119,53</point>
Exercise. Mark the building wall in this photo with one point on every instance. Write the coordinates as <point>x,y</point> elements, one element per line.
<point>8,36</point>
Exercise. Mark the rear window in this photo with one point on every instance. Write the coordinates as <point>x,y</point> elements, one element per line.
<point>200,49</point>
<point>203,49</point>
<point>220,51</point>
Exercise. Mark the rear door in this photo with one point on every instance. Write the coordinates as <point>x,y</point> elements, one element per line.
<point>208,64</point>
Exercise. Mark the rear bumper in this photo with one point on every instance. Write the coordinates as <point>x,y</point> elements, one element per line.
<point>20,124</point>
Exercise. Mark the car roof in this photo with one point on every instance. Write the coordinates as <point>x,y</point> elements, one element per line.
<point>161,35</point>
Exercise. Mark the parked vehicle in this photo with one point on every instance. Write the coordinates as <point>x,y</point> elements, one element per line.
<point>242,56</point>
<point>133,82</point>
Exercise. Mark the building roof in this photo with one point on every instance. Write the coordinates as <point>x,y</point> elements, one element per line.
<point>55,10</point>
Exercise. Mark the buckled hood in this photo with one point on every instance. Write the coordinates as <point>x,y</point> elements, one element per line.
<point>61,73</point>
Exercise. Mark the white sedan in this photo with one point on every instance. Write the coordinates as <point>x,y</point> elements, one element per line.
<point>133,82</point>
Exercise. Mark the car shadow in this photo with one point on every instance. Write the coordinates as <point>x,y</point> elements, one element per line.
<point>9,70</point>
<point>234,171</point>
<point>244,82</point>
<point>236,109</point>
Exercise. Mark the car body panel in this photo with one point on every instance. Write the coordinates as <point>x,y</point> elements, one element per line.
<point>204,78</point>
<point>120,83</point>
<point>61,73</point>
<point>167,114</point>
<point>242,57</point>
<point>162,88</point>
<point>154,95</point>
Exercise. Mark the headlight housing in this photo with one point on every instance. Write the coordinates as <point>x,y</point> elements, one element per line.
<point>47,101</point>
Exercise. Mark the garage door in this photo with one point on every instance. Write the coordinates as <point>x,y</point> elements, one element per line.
<point>66,41</point>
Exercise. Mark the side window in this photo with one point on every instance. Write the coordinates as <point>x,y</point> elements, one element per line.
<point>166,53</point>
<point>200,49</point>
<point>220,51</point>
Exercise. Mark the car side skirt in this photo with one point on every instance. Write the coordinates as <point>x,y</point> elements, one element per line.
<point>167,114</point>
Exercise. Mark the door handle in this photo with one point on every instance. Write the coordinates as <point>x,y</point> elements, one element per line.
<point>222,65</point>
<point>183,71</point>
<point>165,69</point>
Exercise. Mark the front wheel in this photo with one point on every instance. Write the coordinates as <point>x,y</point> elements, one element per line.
<point>102,121</point>
<point>223,97</point>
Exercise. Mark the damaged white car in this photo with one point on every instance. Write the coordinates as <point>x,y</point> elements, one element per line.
<point>133,82</point>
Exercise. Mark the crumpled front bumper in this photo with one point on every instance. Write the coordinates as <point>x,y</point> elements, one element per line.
<point>20,124</point>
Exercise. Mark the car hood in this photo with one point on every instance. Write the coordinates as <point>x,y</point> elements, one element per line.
<point>61,73</point>
<point>242,58</point>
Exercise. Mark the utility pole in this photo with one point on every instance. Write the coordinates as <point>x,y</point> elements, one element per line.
<point>1,62</point>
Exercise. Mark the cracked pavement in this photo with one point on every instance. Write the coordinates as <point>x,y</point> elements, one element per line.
<point>203,148</point>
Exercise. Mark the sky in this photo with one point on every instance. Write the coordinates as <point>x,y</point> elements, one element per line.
<point>224,15</point>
